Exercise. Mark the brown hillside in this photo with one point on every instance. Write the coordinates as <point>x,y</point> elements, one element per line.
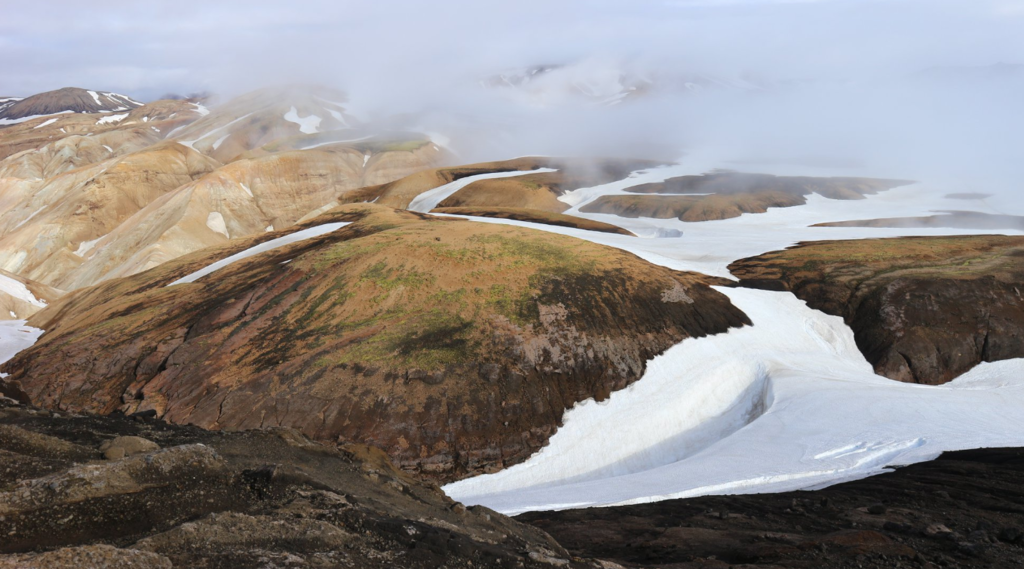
<point>454,346</point>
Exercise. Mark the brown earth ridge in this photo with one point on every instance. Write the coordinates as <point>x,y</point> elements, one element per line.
<point>922,309</point>
<point>454,346</point>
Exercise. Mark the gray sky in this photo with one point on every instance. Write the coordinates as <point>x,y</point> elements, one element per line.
<point>148,48</point>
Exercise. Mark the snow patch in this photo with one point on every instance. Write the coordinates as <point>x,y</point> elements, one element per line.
<point>244,187</point>
<point>218,142</point>
<point>111,119</point>
<point>307,233</point>
<point>215,221</point>
<point>95,97</point>
<point>307,125</point>
<point>85,246</point>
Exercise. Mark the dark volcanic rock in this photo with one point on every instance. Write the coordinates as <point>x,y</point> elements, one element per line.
<point>454,346</point>
<point>265,498</point>
<point>965,509</point>
<point>922,309</point>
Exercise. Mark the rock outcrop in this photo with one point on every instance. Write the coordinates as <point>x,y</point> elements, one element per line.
<point>184,497</point>
<point>922,309</point>
<point>454,346</point>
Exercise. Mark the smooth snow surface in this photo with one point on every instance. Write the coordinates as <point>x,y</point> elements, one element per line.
<point>428,200</point>
<point>307,233</point>
<point>785,404</point>
<point>109,149</point>
<point>307,125</point>
<point>95,97</point>
<point>15,336</point>
<point>18,290</point>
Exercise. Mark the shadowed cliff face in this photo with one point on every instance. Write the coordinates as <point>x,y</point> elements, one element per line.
<point>923,309</point>
<point>454,346</point>
<point>96,492</point>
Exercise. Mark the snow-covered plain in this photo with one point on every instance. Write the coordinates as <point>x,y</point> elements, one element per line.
<point>307,233</point>
<point>428,200</point>
<point>787,403</point>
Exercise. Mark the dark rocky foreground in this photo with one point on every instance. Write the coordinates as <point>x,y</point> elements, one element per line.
<point>87,491</point>
<point>965,509</point>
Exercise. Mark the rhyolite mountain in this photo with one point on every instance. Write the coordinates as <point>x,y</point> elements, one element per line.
<point>454,346</point>
<point>68,99</point>
<point>89,197</point>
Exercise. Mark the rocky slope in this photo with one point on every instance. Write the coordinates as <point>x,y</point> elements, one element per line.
<point>46,229</point>
<point>922,309</point>
<point>98,492</point>
<point>723,195</point>
<point>964,509</point>
<point>454,346</point>
<point>68,99</point>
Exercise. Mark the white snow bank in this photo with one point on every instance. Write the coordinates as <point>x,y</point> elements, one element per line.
<point>111,119</point>
<point>15,336</point>
<point>307,125</point>
<point>95,97</point>
<point>307,233</point>
<point>203,111</point>
<point>826,418</point>
<point>428,200</point>
<point>18,290</point>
